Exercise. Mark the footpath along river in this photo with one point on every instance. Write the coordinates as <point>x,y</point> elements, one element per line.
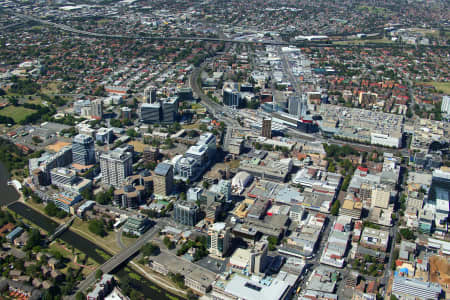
<point>9,196</point>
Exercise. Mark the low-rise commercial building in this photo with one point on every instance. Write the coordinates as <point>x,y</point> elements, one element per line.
<point>377,239</point>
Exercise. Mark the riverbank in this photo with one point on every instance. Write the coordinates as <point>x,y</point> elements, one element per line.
<point>152,286</point>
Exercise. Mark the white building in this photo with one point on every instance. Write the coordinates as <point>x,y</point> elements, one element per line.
<point>219,239</point>
<point>386,140</point>
<point>115,166</point>
<point>445,107</point>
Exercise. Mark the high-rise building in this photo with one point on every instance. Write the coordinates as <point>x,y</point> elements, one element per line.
<point>186,213</point>
<point>185,94</point>
<point>294,106</point>
<point>258,257</point>
<point>83,151</point>
<point>97,109</point>
<point>150,112</point>
<point>164,111</point>
<point>231,97</point>
<point>116,165</point>
<point>169,110</point>
<point>225,189</point>
<point>445,107</point>
<point>150,95</point>
<point>267,128</point>
<point>163,179</point>
<point>219,239</point>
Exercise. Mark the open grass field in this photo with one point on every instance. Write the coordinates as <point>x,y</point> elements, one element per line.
<point>107,242</point>
<point>138,146</point>
<point>50,88</point>
<point>17,113</point>
<point>440,86</point>
<point>363,42</point>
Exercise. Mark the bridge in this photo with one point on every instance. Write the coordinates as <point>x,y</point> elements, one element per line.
<point>61,228</point>
<point>117,260</point>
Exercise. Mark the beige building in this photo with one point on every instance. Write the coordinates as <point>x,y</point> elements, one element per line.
<point>380,198</point>
<point>267,128</point>
<point>163,179</point>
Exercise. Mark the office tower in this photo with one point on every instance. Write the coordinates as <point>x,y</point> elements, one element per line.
<point>97,109</point>
<point>83,151</point>
<point>185,94</point>
<point>169,110</point>
<point>267,128</point>
<point>150,112</point>
<point>150,95</point>
<point>126,113</point>
<point>258,257</point>
<point>445,107</point>
<point>116,165</point>
<point>219,239</point>
<point>231,97</point>
<point>186,213</point>
<point>62,176</point>
<point>163,179</point>
<point>294,106</point>
<point>225,189</point>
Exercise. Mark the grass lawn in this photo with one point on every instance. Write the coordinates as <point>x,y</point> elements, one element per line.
<point>62,248</point>
<point>441,86</point>
<point>50,88</point>
<point>191,126</point>
<point>127,241</point>
<point>138,146</point>
<point>363,42</point>
<point>18,113</point>
<point>107,242</point>
<point>234,164</point>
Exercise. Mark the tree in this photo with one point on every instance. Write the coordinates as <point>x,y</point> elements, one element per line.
<point>150,249</point>
<point>51,209</point>
<point>35,239</point>
<point>169,244</point>
<point>97,227</point>
<point>407,234</point>
<point>36,139</point>
<point>272,243</point>
<point>100,91</point>
<point>335,208</point>
<point>98,274</point>
<point>205,185</point>
<point>87,194</point>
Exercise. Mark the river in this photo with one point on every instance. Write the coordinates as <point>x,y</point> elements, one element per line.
<point>10,195</point>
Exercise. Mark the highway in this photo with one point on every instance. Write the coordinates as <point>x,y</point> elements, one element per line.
<point>117,259</point>
<point>162,38</point>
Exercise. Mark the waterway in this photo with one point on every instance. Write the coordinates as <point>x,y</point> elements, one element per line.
<point>10,195</point>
